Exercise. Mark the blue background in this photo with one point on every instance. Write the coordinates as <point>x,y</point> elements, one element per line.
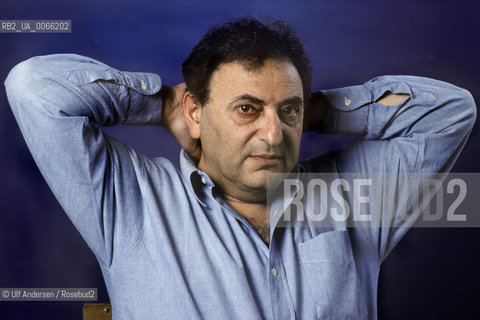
<point>432,274</point>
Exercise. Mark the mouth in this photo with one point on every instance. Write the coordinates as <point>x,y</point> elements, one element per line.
<point>266,158</point>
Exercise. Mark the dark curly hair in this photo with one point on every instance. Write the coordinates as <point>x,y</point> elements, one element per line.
<point>249,41</point>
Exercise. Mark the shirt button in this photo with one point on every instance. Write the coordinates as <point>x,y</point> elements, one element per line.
<point>204,181</point>
<point>144,86</point>
<point>348,101</point>
<point>274,272</point>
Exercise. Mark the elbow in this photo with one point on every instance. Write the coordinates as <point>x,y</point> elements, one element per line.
<point>467,108</point>
<point>38,79</point>
<point>22,72</point>
<point>24,80</point>
<point>34,73</point>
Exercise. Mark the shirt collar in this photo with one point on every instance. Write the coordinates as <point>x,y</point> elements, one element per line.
<point>189,167</point>
<point>197,178</point>
<point>278,200</point>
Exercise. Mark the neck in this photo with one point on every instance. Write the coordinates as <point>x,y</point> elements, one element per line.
<point>256,214</point>
<point>249,202</point>
<point>247,209</point>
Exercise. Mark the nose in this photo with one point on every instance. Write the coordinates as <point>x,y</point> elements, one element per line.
<point>271,128</point>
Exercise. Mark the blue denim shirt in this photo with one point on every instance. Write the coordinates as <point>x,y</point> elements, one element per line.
<point>170,247</point>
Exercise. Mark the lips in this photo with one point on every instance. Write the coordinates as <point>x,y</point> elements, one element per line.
<point>266,158</point>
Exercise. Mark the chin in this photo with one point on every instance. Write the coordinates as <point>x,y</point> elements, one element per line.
<point>264,180</point>
<point>256,181</point>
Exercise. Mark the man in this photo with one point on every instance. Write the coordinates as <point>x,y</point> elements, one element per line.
<point>202,242</point>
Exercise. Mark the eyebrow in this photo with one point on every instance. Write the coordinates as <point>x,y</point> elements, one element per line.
<point>252,99</point>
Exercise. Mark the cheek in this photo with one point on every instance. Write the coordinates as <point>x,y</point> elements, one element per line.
<point>294,136</point>
<point>219,142</point>
<point>211,128</point>
<point>294,139</point>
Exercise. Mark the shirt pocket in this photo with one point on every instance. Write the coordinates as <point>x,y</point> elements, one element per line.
<point>331,275</point>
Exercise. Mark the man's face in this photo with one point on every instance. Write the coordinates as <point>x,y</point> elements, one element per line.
<point>251,126</point>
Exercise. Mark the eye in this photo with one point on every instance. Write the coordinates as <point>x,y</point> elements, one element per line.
<point>291,111</point>
<point>246,108</point>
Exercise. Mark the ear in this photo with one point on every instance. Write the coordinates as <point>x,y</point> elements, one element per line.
<point>192,112</point>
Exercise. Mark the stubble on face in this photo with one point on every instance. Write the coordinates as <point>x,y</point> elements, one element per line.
<point>251,126</point>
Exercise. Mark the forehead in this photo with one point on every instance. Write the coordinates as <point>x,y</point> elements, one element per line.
<point>275,79</point>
